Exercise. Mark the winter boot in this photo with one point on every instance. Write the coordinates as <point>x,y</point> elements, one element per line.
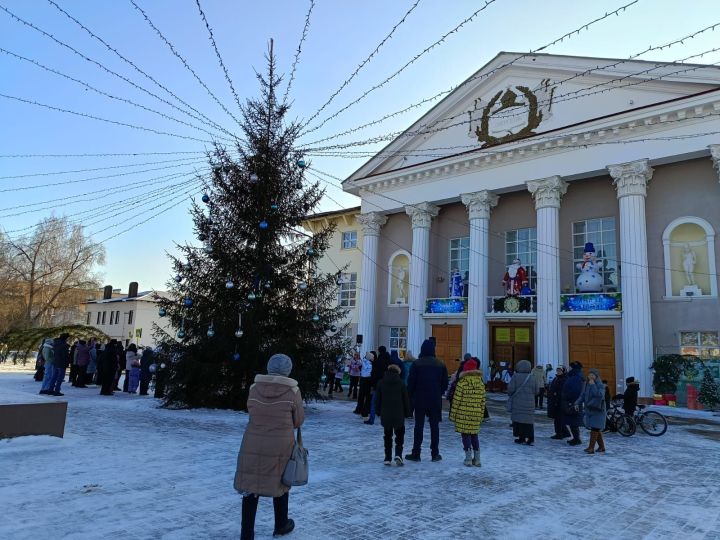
<point>591,445</point>
<point>468,458</point>
<point>476,458</point>
<point>601,443</point>
<point>399,461</point>
<point>283,525</point>
<point>249,509</point>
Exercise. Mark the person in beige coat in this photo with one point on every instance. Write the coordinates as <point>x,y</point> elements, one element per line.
<point>276,409</point>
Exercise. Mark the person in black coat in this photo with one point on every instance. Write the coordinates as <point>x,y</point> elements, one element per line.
<point>554,404</point>
<point>379,368</point>
<point>393,406</point>
<point>109,364</point>
<point>61,360</point>
<point>630,397</point>
<point>147,360</point>
<point>427,382</point>
<point>571,391</point>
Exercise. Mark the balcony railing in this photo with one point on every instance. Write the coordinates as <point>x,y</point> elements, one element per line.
<point>586,302</point>
<point>512,304</point>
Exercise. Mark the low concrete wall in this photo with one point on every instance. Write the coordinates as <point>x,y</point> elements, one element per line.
<point>17,419</point>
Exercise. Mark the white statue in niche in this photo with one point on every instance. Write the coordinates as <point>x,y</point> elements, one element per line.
<point>689,260</point>
<point>400,283</point>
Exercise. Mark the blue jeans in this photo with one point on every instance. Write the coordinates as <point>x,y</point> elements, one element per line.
<point>57,380</point>
<point>48,376</point>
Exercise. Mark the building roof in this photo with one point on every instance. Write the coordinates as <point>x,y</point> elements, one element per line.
<point>331,213</point>
<point>145,296</point>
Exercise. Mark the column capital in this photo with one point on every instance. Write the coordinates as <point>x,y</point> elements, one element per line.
<point>547,192</point>
<point>479,203</point>
<point>715,155</point>
<point>371,223</point>
<point>631,178</point>
<point>422,214</point>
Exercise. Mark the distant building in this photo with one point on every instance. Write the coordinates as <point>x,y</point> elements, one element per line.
<point>344,251</point>
<point>128,318</point>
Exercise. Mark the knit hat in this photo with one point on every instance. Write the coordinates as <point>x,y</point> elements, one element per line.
<point>630,380</point>
<point>394,367</point>
<point>279,364</point>
<point>470,365</point>
<point>427,348</point>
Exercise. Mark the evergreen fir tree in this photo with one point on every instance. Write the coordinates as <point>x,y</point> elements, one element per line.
<point>709,391</point>
<point>252,290</point>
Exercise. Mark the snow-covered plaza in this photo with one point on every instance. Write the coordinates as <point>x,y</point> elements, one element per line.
<point>127,468</point>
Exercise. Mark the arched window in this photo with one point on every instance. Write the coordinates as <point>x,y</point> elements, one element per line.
<point>689,245</point>
<point>399,278</point>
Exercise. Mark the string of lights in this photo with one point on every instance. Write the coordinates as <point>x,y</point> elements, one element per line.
<point>184,62</point>
<point>477,77</point>
<point>128,61</point>
<point>403,68</point>
<point>298,51</point>
<point>217,53</point>
<point>110,96</point>
<point>363,63</point>
<point>111,72</point>
<point>124,154</point>
<point>67,182</point>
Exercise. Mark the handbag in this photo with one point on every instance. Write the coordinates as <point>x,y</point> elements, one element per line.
<point>296,471</point>
<point>508,403</point>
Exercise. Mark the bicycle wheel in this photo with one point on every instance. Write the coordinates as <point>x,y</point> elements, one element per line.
<point>625,425</point>
<point>653,423</point>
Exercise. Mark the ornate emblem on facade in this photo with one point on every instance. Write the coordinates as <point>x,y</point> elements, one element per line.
<point>513,113</point>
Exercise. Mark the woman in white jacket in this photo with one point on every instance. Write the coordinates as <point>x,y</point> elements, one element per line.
<point>365,394</point>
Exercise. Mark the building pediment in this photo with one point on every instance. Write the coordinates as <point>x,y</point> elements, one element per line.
<point>515,97</point>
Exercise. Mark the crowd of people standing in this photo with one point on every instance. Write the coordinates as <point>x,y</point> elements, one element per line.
<point>103,365</point>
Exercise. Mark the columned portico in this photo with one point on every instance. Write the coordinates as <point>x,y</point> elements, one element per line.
<point>479,205</point>
<point>547,193</point>
<point>371,224</point>
<point>631,180</point>
<point>421,216</point>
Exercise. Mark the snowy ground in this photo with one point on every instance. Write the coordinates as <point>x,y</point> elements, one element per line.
<point>127,468</point>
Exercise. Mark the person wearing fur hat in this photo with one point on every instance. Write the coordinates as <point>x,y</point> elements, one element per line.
<point>468,409</point>
<point>523,389</point>
<point>393,407</point>
<point>276,409</point>
<point>630,397</point>
<point>592,399</point>
<point>427,382</point>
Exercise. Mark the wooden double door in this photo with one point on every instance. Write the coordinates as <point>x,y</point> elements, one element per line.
<point>448,344</point>
<point>594,347</point>
<point>510,343</point>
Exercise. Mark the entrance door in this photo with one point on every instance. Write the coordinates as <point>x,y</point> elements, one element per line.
<point>448,344</point>
<point>510,343</point>
<point>594,347</point>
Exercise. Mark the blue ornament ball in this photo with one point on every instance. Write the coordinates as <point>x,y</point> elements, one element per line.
<point>236,356</point>
<point>210,332</point>
<point>273,206</point>
<point>253,177</point>
<point>251,296</point>
<point>333,328</point>
<point>205,198</point>
<point>311,251</point>
<point>316,317</point>
<point>178,278</point>
<point>188,302</point>
<point>301,163</point>
<point>181,334</point>
<point>162,312</point>
<point>152,368</point>
<point>229,284</point>
<point>263,224</point>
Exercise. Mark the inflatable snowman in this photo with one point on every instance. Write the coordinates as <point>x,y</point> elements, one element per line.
<point>589,279</point>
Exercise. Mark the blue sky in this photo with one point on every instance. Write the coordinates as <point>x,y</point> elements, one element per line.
<point>341,35</point>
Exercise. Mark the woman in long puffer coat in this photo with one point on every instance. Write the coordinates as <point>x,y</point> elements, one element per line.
<point>555,409</point>
<point>468,409</point>
<point>276,409</point>
<point>522,390</point>
<point>593,401</point>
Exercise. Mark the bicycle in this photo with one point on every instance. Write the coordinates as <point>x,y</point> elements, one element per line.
<point>618,421</point>
<point>651,422</point>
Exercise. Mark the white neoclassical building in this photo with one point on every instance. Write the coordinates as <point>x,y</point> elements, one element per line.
<point>534,158</point>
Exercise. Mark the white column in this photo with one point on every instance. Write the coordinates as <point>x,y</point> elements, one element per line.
<point>371,224</point>
<point>715,155</point>
<point>547,193</point>
<point>631,180</point>
<point>421,215</point>
<point>479,205</point>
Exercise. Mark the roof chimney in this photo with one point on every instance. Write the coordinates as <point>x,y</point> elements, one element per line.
<point>133,289</point>
<point>107,292</point>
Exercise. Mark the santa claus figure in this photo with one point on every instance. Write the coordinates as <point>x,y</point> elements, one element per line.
<point>515,278</point>
<point>589,279</point>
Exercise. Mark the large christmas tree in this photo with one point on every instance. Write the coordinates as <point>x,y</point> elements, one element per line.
<point>252,289</point>
<point>709,391</point>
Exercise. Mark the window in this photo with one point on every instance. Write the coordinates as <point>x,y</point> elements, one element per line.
<point>349,240</point>
<point>601,232</point>
<point>87,322</point>
<point>398,340</point>
<point>117,317</point>
<point>98,318</point>
<point>112,317</point>
<point>460,255</point>
<point>348,289</point>
<point>103,317</point>
<point>702,344</point>
<point>348,336</point>
<point>130,316</point>
<point>522,244</point>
